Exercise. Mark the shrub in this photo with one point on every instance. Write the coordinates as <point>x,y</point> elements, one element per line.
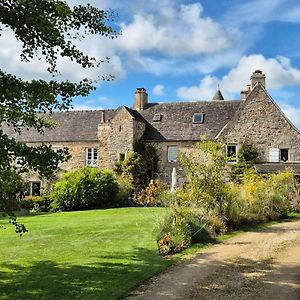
<point>247,156</point>
<point>26,203</point>
<point>151,195</point>
<point>86,188</point>
<point>139,166</point>
<point>180,229</point>
<point>11,186</point>
<point>40,203</point>
<point>125,191</point>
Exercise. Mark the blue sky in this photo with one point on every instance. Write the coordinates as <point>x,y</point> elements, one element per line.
<point>181,50</point>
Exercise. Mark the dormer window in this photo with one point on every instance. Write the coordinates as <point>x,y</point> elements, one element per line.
<point>198,118</point>
<point>157,118</point>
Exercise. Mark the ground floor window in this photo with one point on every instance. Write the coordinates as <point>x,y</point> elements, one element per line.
<point>35,188</point>
<point>172,153</point>
<point>284,155</point>
<point>121,157</point>
<point>231,153</point>
<point>91,156</point>
<point>279,155</point>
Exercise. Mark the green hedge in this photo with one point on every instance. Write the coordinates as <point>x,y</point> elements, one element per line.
<point>87,188</point>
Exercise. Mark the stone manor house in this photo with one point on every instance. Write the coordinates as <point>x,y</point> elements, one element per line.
<point>102,137</point>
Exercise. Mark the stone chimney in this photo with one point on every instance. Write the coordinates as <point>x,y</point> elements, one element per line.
<point>140,99</point>
<point>256,77</point>
<point>246,92</point>
<point>102,116</point>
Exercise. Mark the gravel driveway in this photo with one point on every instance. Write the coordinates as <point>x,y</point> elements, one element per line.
<point>262,264</point>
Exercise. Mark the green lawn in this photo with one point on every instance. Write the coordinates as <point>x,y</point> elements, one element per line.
<point>100,254</point>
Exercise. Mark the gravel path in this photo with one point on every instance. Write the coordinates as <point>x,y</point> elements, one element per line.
<point>263,264</point>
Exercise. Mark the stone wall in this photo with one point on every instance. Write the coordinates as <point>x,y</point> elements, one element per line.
<point>261,123</point>
<point>77,151</point>
<point>165,167</point>
<point>78,159</point>
<point>118,136</point>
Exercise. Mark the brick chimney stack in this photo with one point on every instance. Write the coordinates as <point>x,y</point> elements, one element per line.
<point>140,99</point>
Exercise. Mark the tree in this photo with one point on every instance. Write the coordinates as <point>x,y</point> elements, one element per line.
<point>48,29</point>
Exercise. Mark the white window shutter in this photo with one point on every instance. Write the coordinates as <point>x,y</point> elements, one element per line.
<point>274,155</point>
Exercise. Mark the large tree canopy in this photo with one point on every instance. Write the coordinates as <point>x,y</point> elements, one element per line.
<point>47,29</point>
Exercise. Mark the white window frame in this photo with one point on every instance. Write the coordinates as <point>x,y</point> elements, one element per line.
<point>18,161</point>
<point>172,153</point>
<point>280,155</point>
<point>198,115</point>
<point>91,157</point>
<point>232,159</point>
<point>274,154</point>
<point>31,187</point>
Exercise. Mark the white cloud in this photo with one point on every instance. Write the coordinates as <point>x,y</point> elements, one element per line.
<point>85,107</point>
<point>158,90</point>
<point>94,46</point>
<point>181,31</point>
<point>247,12</point>
<point>204,91</point>
<point>279,73</point>
<point>292,113</point>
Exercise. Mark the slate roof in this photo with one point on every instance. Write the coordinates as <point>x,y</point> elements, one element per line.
<point>177,119</point>
<point>135,114</point>
<point>218,95</point>
<point>176,123</point>
<point>71,126</point>
<point>277,167</point>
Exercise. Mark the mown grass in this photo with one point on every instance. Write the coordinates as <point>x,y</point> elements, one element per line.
<point>100,254</point>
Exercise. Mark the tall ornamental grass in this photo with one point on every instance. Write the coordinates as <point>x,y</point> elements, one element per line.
<point>210,204</point>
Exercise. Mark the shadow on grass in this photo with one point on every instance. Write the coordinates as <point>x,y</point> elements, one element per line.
<point>111,277</point>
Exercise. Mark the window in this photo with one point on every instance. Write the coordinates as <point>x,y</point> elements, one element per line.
<point>274,155</point>
<point>91,156</point>
<point>121,157</point>
<point>284,155</point>
<point>198,118</point>
<point>278,155</point>
<point>231,152</point>
<point>20,124</point>
<point>172,153</point>
<point>55,149</point>
<point>19,162</point>
<point>157,118</point>
<point>35,188</point>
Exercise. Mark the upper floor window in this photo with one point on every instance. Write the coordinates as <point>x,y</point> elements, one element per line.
<point>157,118</point>
<point>198,118</point>
<point>172,153</point>
<point>55,149</point>
<point>231,153</point>
<point>91,156</point>
<point>19,162</point>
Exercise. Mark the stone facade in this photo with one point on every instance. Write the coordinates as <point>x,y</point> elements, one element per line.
<point>254,119</point>
<point>165,166</point>
<point>261,123</point>
<point>118,137</point>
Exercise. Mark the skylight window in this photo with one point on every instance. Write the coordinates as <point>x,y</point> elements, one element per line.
<point>157,118</point>
<point>198,118</point>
